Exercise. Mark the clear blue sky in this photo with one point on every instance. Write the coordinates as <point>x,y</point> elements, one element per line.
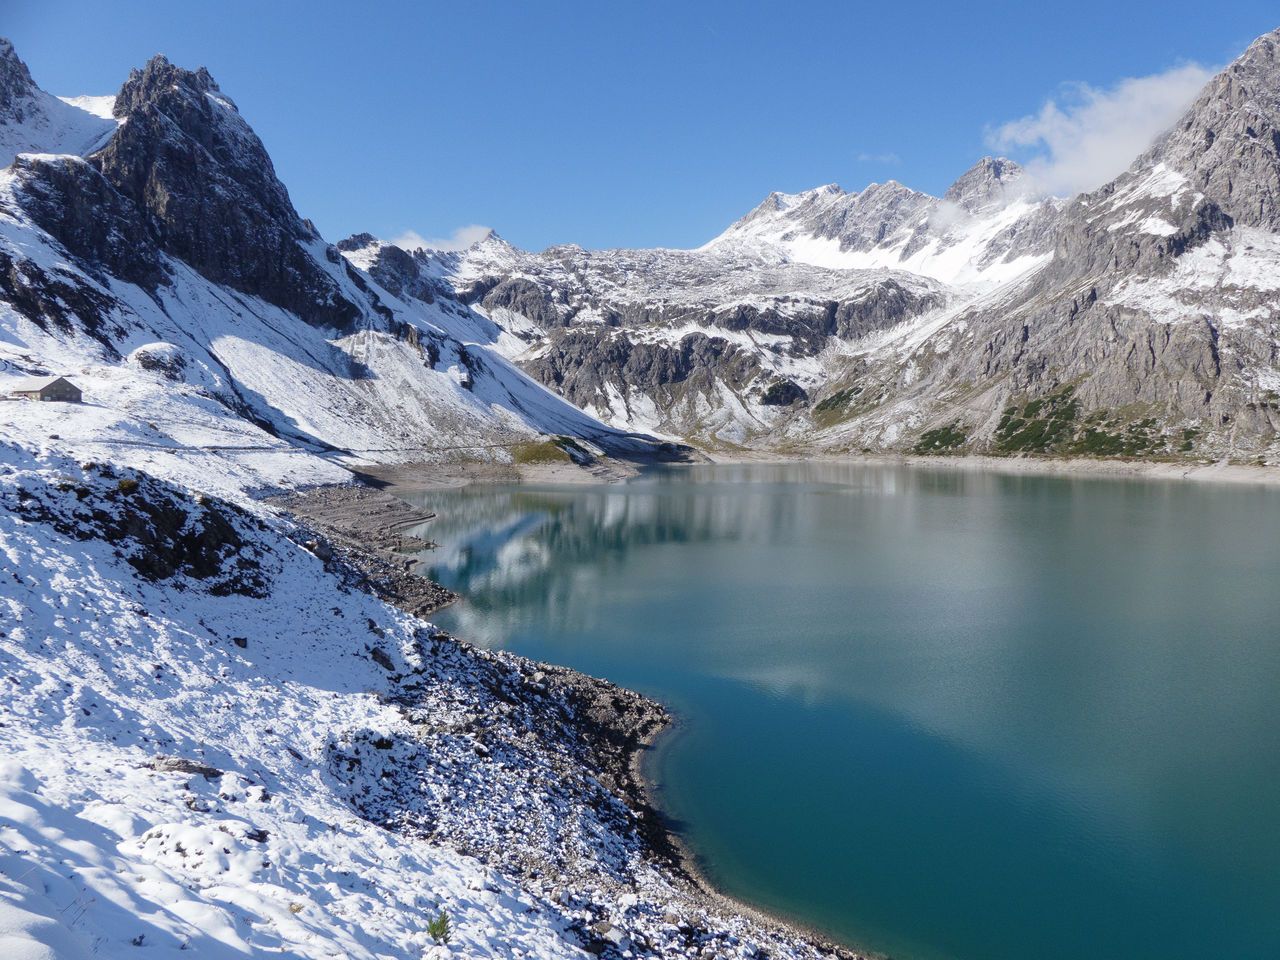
<point>618,123</point>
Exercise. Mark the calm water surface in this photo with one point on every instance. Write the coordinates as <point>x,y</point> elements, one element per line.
<point>943,715</point>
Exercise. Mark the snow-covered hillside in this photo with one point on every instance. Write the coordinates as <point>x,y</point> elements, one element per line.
<point>985,231</point>
<point>215,741</point>
<point>32,121</point>
<point>195,308</point>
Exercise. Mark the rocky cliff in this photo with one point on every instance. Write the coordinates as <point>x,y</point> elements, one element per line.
<point>152,224</point>
<point>1136,320</point>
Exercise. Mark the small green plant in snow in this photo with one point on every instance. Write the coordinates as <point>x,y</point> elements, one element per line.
<point>439,928</point>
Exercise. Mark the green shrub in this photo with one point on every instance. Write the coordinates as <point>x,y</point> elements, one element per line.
<point>943,440</point>
<point>127,485</point>
<point>837,400</point>
<point>439,929</point>
<point>548,451</point>
<point>1040,426</point>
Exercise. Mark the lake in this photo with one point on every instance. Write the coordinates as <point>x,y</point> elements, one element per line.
<point>937,713</point>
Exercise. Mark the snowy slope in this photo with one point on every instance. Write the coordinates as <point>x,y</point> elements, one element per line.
<point>106,847</point>
<point>984,232</point>
<point>33,121</point>
<point>214,741</point>
<point>270,339</point>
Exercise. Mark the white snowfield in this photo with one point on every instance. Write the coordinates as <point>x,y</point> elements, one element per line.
<point>102,850</point>
<point>961,249</point>
<point>54,125</point>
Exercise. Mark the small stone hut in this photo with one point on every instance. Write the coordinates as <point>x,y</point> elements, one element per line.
<point>47,388</point>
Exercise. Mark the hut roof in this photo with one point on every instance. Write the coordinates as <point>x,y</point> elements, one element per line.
<point>35,383</point>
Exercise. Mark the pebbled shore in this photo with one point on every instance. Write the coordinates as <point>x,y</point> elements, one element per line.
<point>362,528</point>
<point>635,892</point>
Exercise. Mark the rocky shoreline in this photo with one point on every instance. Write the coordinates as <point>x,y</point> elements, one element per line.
<point>660,904</point>
<point>653,902</point>
<point>362,528</point>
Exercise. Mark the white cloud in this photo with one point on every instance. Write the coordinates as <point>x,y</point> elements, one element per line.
<point>887,159</point>
<point>461,238</point>
<point>1089,136</point>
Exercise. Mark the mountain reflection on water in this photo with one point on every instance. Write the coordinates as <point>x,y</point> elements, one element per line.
<point>942,713</point>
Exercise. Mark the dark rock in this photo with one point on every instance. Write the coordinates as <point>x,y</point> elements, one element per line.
<point>783,393</point>
<point>182,765</point>
<point>201,183</point>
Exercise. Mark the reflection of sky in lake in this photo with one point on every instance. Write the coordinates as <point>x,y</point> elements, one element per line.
<point>1108,647</point>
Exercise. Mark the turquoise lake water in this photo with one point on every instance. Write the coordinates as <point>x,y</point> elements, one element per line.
<point>943,715</point>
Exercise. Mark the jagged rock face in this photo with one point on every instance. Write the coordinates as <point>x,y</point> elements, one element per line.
<point>16,85</point>
<point>673,334</point>
<point>72,202</point>
<point>887,305</point>
<point>206,189</point>
<point>525,298</point>
<point>396,270</point>
<point>1228,143</point>
<point>582,365</point>
<point>54,304</point>
<point>865,220</point>
<point>985,185</point>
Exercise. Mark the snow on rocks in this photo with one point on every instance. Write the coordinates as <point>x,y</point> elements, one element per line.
<point>221,744</point>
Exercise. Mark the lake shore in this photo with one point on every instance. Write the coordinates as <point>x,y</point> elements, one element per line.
<point>1199,472</point>
<point>615,726</point>
<point>625,739</point>
<point>434,476</point>
<point>431,476</point>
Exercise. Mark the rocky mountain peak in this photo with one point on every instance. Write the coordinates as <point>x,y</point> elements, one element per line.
<point>16,85</point>
<point>205,189</point>
<point>11,65</point>
<point>984,185</point>
<point>1227,144</point>
<point>159,81</point>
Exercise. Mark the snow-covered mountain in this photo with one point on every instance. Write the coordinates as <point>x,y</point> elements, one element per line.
<point>725,343</point>
<point>983,231</point>
<point>168,272</point>
<point>683,343</point>
<point>1138,320</point>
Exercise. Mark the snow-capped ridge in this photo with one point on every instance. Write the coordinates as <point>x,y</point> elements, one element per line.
<point>991,183</point>
<point>33,121</point>
<point>1227,144</point>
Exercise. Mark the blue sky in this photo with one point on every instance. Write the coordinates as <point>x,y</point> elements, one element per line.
<point>643,124</point>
